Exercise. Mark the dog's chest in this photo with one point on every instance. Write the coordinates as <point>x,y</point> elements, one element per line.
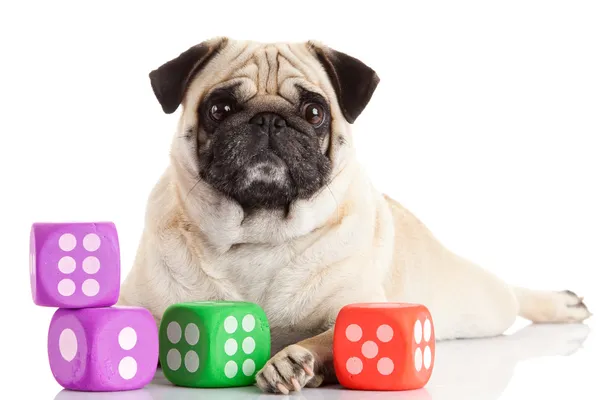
<point>260,273</point>
<point>276,279</point>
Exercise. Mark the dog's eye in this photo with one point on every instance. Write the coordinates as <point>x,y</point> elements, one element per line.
<point>314,113</point>
<point>220,111</point>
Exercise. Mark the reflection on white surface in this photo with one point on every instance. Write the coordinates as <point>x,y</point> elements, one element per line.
<point>464,369</point>
<point>482,369</point>
<point>142,394</point>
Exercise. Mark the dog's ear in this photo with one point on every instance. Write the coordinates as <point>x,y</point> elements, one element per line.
<point>170,81</point>
<point>353,81</point>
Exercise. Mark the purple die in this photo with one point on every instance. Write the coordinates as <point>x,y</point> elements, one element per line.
<point>74,265</point>
<point>103,349</point>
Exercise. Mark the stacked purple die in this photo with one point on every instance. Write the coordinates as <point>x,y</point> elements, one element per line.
<point>93,345</point>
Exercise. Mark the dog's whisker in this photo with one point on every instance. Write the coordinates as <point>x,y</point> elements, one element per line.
<point>192,189</point>
<point>337,204</point>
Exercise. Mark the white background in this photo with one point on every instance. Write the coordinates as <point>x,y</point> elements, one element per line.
<point>485,125</point>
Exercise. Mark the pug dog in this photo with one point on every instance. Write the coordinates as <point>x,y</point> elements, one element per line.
<point>264,201</point>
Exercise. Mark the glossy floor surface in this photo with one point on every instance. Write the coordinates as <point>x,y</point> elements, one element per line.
<point>530,362</point>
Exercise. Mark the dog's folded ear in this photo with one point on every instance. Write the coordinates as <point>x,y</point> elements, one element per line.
<point>170,81</point>
<point>353,81</point>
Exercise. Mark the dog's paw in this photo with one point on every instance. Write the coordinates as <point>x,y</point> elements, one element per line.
<point>543,306</point>
<point>573,308</point>
<point>288,371</point>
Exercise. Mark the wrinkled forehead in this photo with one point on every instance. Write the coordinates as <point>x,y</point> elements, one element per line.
<point>256,69</point>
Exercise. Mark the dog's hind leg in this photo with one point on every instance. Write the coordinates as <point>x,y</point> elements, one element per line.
<point>468,302</point>
<point>465,300</point>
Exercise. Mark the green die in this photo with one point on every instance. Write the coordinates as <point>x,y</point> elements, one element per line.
<point>214,343</point>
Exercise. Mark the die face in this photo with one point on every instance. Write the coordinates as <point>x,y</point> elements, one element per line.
<point>376,348</point>
<point>183,347</point>
<point>242,345</point>
<point>74,265</point>
<point>420,359</point>
<point>68,350</point>
<point>103,349</point>
<point>234,343</point>
<point>368,349</point>
<point>125,349</point>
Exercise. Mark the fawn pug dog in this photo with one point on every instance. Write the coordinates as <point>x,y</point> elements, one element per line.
<point>265,201</point>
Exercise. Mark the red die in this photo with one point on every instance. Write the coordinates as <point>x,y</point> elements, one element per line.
<point>383,346</point>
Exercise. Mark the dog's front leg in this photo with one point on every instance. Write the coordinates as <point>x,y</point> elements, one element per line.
<point>308,363</point>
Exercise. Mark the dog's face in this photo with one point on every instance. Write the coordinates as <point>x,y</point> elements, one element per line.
<point>262,123</point>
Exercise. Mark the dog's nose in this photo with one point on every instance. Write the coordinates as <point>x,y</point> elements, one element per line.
<point>269,122</point>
